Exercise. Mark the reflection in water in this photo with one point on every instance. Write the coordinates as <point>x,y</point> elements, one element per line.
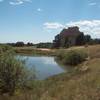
<point>44,66</point>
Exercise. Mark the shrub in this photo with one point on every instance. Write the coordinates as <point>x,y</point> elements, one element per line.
<point>10,73</point>
<point>72,57</point>
<point>5,48</point>
<point>13,73</point>
<point>60,54</point>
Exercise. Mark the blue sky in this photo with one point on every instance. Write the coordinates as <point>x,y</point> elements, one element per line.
<point>40,20</point>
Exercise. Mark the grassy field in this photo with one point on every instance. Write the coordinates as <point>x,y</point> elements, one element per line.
<point>79,84</point>
<point>34,51</point>
<point>93,51</point>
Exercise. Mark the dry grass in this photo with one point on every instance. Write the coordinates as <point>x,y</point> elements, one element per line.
<point>77,85</point>
<point>92,50</point>
<point>80,86</point>
<point>73,86</point>
<point>33,51</point>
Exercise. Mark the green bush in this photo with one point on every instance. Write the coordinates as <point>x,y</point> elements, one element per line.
<point>11,71</point>
<point>5,48</point>
<point>13,74</point>
<point>60,54</point>
<point>72,57</point>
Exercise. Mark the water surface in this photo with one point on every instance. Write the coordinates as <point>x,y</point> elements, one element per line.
<point>44,66</point>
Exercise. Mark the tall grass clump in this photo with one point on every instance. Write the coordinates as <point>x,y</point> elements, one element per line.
<point>13,73</point>
<point>5,48</point>
<point>71,57</point>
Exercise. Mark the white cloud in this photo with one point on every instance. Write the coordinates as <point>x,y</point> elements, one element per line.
<point>39,10</point>
<point>91,27</point>
<point>92,3</point>
<point>18,2</point>
<point>53,25</point>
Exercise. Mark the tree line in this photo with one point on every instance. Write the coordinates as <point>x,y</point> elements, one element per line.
<point>73,37</point>
<point>67,38</point>
<point>20,44</point>
<point>38,45</point>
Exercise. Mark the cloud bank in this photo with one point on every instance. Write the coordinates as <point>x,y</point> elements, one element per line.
<point>91,27</point>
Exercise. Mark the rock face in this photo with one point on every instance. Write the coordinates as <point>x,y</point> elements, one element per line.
<point>67,37</point>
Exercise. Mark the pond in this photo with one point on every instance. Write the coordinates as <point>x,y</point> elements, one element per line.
<point>44,66</point>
